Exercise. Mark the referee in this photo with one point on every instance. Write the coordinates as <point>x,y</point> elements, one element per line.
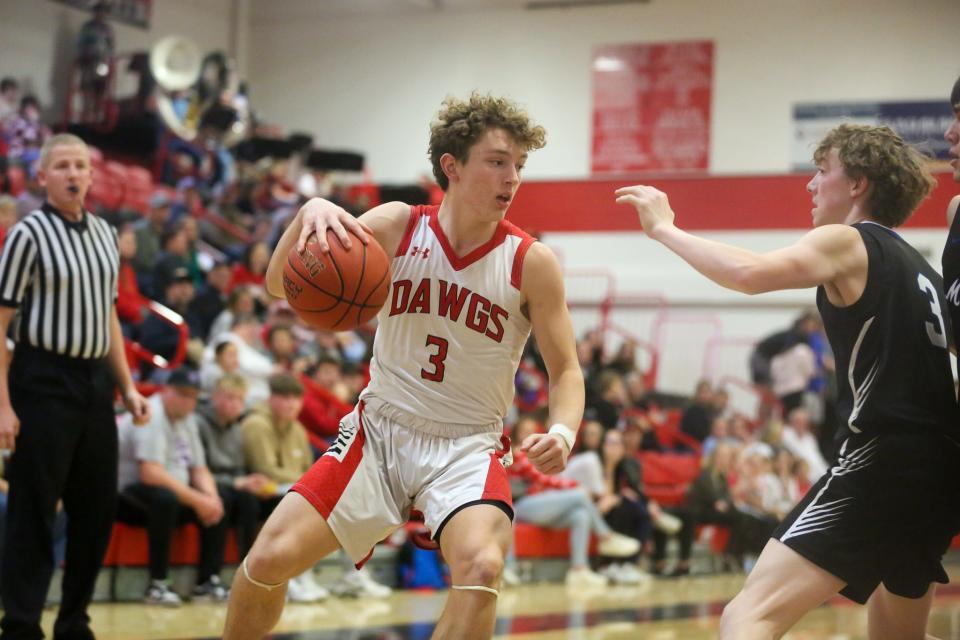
<point>58,287</point>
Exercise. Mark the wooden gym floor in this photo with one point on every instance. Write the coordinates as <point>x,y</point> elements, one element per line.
<point>666,609</point>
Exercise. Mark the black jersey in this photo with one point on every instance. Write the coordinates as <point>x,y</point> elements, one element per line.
<point>893,366</point>
<point>951,277</point>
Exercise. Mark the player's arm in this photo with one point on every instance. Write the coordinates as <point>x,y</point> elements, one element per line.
<point>386,223</point>
<point>952,210</point>
<point>826,254</point>
<point>542,288</point>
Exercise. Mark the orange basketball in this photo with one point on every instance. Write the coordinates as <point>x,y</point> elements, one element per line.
<point>338,290</point>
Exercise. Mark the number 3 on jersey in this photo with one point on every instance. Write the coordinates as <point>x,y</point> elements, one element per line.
<point>937,334</point>
<point>436,359</point>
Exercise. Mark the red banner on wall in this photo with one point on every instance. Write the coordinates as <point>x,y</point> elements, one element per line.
<point>651,107</point>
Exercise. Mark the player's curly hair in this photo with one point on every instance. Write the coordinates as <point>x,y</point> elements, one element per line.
<point>896,172</point>
<point>460,124</point>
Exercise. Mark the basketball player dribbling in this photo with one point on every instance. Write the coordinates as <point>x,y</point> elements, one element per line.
<point>876,525</point>
<point>427,433</point>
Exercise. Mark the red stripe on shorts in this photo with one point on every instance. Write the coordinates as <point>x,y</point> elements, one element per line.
<point>324,483</point>
<point>497,486</point>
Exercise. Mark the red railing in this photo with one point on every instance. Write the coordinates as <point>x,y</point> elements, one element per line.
<point>137,353</point>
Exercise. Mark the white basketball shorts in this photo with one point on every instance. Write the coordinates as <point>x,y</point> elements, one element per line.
<point>386,462</point>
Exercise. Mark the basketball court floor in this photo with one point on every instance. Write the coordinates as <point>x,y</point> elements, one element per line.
<point>666,609</point>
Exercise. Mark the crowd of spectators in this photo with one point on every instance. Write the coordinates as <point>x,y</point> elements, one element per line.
<point>260,394</point>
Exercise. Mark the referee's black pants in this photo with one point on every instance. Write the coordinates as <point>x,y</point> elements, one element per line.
<point>67,448</point>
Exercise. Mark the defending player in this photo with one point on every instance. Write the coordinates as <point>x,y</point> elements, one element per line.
<point>467,288</point>
<point>876,525</point>
<point>951,251</point>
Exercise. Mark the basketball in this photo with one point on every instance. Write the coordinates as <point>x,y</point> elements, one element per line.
<point>339,290</point>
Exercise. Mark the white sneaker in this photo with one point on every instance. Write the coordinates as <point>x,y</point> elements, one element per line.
<point>159,593</point>
<point>304,589</point>
<point>509,578</point>
<point>585,578</point>
<point>629,573</point>
<point>617,545</point>
<point>611,572</point>
<point>356,584</point>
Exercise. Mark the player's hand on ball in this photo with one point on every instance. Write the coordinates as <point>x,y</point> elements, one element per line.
<point>547,452</point>
<point>651,204</point>
<point>319,215</point>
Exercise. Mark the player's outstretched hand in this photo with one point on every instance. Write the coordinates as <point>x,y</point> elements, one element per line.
<point>651,204</point>
<point>319,215</point>
<point>547,452</point>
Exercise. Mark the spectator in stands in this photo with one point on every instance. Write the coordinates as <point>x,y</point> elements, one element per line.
<point>252,270</point>
<point>149,231</point>
<point>324,403</point>
<point>793,485</point>
<point>710,502</point>
<point>130,302</point>
<point>282,349</point>
<point>721,403</point>
<point>26,134</point>
<point>164,482</point>
<point>275,444</point>
<point>624,505</point>
<point>225,360</point>
<point>590,355</point>
<point>625,359</point>
<point>556,502</point>
<point>798,439</point>
<point>240,302</point>
<point>174,255</point>
<point>698,416</point>
<point>240,490</point>
<point>211,298</point>
<point>584,466</point>
<point>252,364</point>
<point>32,196</point>
<point>192,255</point>
<point>8,215</point>
<point>791,372</point>
<point>327,373</point>
<point>719,431</point>
<point>9,101</point>
<point>94,59</point>
<point>758,491</point>
<point>612,399</point>
<point>156,333</point>
<point>638,395</point>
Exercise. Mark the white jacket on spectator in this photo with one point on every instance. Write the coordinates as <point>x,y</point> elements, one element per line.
<point>791,371</point>
<point>805,447</point>
<point>255,367</point>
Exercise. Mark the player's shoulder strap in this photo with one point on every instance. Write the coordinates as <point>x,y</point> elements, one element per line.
<point>526,241</point>
<point>417,212</point>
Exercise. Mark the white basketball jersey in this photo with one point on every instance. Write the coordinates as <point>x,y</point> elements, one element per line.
<point>451,333</point>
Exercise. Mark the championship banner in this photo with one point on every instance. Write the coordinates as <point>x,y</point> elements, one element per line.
<point>920,123</point>
<point>651,107</point>
<point>132,12</point>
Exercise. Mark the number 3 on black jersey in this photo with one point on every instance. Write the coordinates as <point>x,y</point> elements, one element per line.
<point>936,332</point>
<point>436,359</point>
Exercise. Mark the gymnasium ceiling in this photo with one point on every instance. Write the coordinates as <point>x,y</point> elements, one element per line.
<point>291,9</point>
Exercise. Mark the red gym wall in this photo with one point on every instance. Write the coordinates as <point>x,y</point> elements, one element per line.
<point>717,203</point>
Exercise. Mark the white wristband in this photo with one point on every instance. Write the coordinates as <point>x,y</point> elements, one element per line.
<point>566,434</point>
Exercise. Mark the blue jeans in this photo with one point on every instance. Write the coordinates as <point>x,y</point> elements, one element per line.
<point>564,509</point>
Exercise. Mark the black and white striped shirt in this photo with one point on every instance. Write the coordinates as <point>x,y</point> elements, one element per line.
<point>63,277</point>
